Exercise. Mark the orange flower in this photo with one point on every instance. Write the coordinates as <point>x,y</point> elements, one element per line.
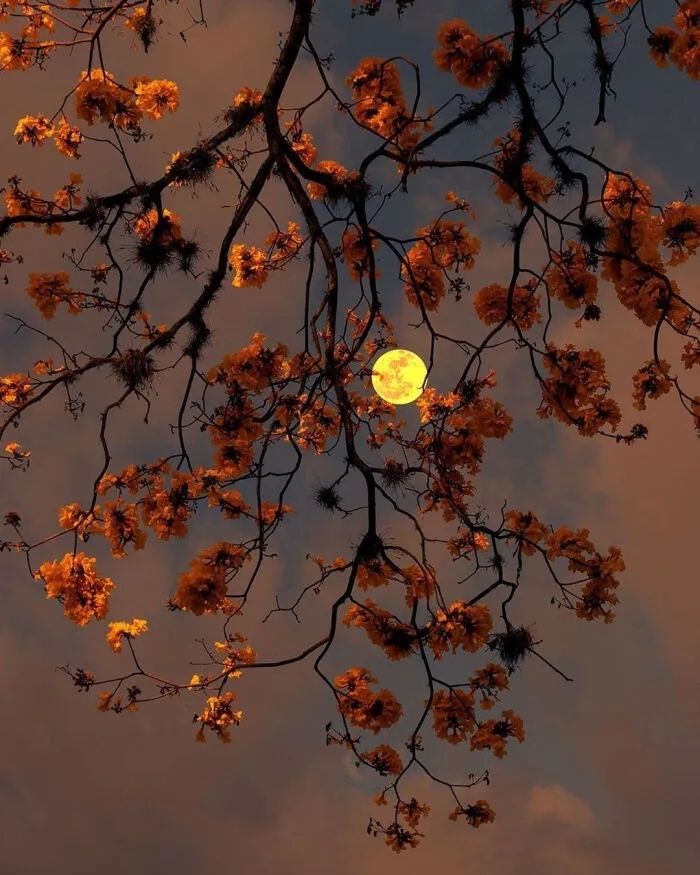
<point>480,812</point>
<point>73,580</point>
<point>384,759</point>
<point>462,625</point>
<point>121,527</point>
<point>72,516</point>
<point>355,255</point>
<point>33,129</point>
<point>67,139</point>
<point>472,61</point>
<point>398,640</point>
<point>169,232</point>
<point>218,716</point>
<point>304,147</point>
<point>681,229</point>
<point>120,630</point>
<point>453,715</point>
<point>422,278</point>
<point>362,707</point>
<point>372,573</point>
<point>525,525</point>
<point>201,590</point>
<point>50,289</point>
<point>249,265</point>
<point>570,279</point>
<point>338,172</point>
<point>488,681</point>
<point>15,389</point>
<point>97,95</point>
<point>651,381</point>
<point>15,54</point>
<point>379,104</point>
<point>39,18</point>
<point>493,733</point>
<point>153,97</point>
<point>287,245</point>
<point>451,246</point>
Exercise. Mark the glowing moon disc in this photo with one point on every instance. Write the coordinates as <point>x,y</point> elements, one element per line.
<point>398,375</point>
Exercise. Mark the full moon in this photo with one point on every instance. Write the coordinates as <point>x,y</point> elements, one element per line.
<point>398,375</point>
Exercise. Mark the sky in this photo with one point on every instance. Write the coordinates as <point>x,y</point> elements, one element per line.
<point>606,780</point>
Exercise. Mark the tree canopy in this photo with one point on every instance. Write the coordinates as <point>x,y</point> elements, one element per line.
<point>319,399</point>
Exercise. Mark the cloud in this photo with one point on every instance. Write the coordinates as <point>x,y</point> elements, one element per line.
<point>557,803</point>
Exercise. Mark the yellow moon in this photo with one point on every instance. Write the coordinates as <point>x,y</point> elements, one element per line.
<point>398,375</point>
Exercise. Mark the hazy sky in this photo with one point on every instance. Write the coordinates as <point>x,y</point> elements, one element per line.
<point>606,780</point>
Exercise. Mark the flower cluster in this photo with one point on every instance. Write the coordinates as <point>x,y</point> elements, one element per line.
<point>472,61</point>
<point>15,389</point>
<point>492,734</point>
<point>398,640</point>
<point>203,589</point>
<point>569,278</point>
<point>339,174</point>
<point>381,106</point>
<point>75,583</point>
<point>362,707</point>
<point>355,253</point>
<point>575,391</point>
<point>443,245</point>
<point>679,44</point>
<point>461,625</point>
<point>120,630</point>
<point>516,173</point>
<point>252,266</point>
<point>526,528</point>
<point>491,305</point>
<point>218,716</point>
<point>99,96</point>
<point>48,290</point>
<point>601,583</point>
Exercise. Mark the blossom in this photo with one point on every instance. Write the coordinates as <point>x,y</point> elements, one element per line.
<point>384,759</point>
<point>33,129</point>
<point>422,278</point>
<point>355,253</point>
<point>570,279</point>
<point>488,681</point>
<point>453,715</point>
<point>121,629</point>
<point>462,625</point>
<point>67,138</point>
<point>39,18</point>
<point>97,96</point>
<point>651,381</point>
<point>73,579</point>
<point>72,516</point>
<point>362,707</point>
<point>168,229</point>
<point>525,525</point>
<point>250,266</point>
<point>50,289</point>
<point>338,172</point>
<point>492,734</point>
<point>476,814</point>
<point>218,716</point>
<point>15,389</point>
<point>153,97</point>
<point>472,61</point>
<point>15,54</point>
<point>398,640</point>
<point>681,229</point>
<point>121,527</point>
